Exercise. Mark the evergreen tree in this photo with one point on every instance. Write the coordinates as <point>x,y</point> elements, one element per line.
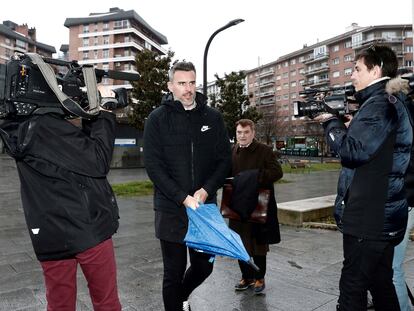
<point>232,103</point>
<point>148,90</point>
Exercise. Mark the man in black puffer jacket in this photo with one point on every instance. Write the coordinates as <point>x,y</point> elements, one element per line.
<point>187,156</point>
<point>371,208</point>
<point>69,206</point>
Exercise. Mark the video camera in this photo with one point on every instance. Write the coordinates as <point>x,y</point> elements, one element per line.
<point>335,100</point>
<point>29,85</point>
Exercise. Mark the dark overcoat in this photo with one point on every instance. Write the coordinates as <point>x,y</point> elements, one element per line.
<point>260,156</point>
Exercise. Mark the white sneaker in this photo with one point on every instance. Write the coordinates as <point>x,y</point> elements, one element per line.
<point>186,306</point>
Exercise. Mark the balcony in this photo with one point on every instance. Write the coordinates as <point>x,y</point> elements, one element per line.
<point>368,42</point>
<point>266,82</point>
<point>318,58</point>
<point>316,70</point>
<point>268,72</point>
<point>316,82</point>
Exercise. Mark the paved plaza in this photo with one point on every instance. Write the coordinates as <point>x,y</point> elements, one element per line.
<point>302,274</point>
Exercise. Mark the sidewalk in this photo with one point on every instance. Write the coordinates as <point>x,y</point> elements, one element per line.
<point>303,270</point>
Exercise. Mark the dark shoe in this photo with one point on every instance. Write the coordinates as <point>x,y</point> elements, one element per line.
<point>186,306</point>
<point>259,286</point>
<point>244,284</point>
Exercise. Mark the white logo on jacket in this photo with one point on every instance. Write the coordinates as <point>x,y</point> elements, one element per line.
<point>205,128</point>
<point>35,230</point>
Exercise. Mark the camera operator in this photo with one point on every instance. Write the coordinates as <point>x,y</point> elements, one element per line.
<point>70,209</point>
<point>371,208</point>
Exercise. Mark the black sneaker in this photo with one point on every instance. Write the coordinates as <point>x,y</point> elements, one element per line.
<point>186,306</point>
<point>244,284</point>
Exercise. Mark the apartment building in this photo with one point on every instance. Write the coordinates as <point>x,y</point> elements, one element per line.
<point>274,87</point>
<point>20,39</point>
<point>111,40</point>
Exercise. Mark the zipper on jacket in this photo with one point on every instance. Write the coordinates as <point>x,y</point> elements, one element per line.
<point>192,164</point>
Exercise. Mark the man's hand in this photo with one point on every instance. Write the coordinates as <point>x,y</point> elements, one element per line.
<point>191,202</point>
<point>200,195</point>
<point>324,117</point>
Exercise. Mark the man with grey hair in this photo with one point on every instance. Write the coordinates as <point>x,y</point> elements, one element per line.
<point>187,157</point>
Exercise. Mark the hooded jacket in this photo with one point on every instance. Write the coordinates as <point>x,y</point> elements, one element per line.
<point>374,152</point>
<point>68,203</point>
<point>184,150</point>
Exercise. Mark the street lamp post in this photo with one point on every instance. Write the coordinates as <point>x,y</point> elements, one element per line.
<point>229,24</point>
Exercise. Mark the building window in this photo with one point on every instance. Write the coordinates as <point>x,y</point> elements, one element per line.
<point>336,74</point>
<point>285,75</point>
<point>279,66</point>
<point>388,34</point>
<point>301,82</point>
<point>348,44</point>
<point>293,73</point>
<point>301,59</point>
<point>286,64</point>
<point>121,24</point>
<point>105,53</point>
<point>286,96</point>
<point>408,63</point>
<point>293,95</point>
<point>285,86</point>
<point>85,55</point>
<point>127,39</point>
<point>335,48</point>
<point>293,61</point>
<point>293,84</point>
<point>408,48</point>
<point>127,53</point>
<point>278,88</point>
<point>105,26</point>
<point>148,45</point>
<point>348,71</point>
<point>95,41</point>
<point>278,77</point>
<point>302,71</point>
<point>408,33</point>
<point>85,28</point>
<point>20,44</point>
<point>335,61</point>
<point>95,54</point>
<point>7,41</point>
<point>85,42</point>
<point>348,58</point>
<point>105,39</point>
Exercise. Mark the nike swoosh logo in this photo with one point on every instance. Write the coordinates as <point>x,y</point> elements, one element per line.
<point>205,128</point>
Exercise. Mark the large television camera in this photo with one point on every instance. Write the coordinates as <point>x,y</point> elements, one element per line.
<point>336,100</point>
<point>30,85</point>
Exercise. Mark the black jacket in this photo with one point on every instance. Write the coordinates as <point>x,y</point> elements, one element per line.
<point>68,203</point>
<point>183,151</point>
<point>374,151</point>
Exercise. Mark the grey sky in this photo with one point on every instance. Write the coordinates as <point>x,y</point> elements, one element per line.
<point>271,28</point>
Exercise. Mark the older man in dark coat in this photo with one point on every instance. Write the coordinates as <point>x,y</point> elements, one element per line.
<point>259,162</point>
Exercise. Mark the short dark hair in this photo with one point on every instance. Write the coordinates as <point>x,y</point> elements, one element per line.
<point>381,56</point>
<point>245,122</point>
<point>180,66</point>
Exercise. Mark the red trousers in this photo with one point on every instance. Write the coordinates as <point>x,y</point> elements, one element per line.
<point>99,268</point>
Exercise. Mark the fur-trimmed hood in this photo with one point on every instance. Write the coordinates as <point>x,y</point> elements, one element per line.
<point>397,85</point>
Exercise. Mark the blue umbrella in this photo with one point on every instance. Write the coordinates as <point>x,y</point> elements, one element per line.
<point>208,232</point>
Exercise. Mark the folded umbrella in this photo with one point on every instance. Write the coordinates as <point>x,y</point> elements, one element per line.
<point>209,233</point>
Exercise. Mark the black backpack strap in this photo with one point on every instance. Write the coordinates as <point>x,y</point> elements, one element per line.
<point>410,294</point>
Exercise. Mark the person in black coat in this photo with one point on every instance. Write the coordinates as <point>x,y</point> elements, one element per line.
<point>70,209</point>
<point>254,166</point>
<point>187,157</point>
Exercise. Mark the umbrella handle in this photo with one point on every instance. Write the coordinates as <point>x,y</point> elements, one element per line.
<point>253,265</point>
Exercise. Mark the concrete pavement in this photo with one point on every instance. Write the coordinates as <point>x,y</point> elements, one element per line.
<point>303,270</point>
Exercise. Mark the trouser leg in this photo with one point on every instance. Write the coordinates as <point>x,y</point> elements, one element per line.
<point>60,283</point>
<point>398,266</point>
<point>99,267</point>
<point>199,270</point>
<point>365,263</point>
<point>246,270</point>
<point>260,262</point>
<point>174,256</point>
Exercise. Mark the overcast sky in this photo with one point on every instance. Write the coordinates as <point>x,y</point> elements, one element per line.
<point>271,28</point>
